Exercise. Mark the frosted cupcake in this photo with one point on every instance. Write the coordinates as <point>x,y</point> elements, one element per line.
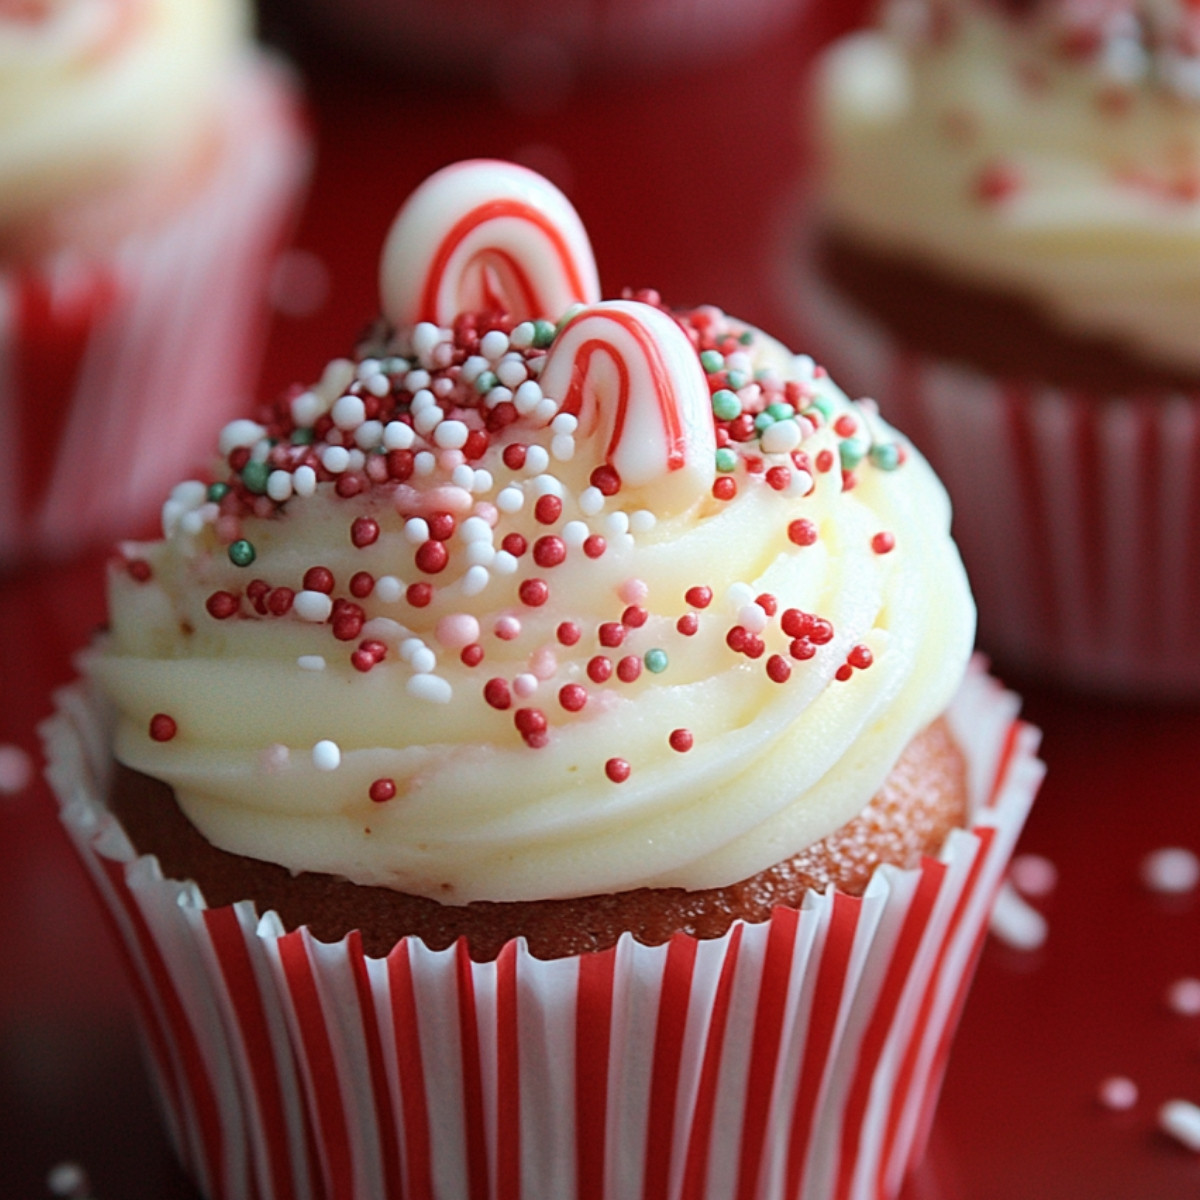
<point>149,161</point>
<point>1005,254</point>
<point>549,740</point>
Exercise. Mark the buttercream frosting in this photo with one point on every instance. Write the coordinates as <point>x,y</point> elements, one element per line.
<point>1056,153</point>
<point>512,609</point>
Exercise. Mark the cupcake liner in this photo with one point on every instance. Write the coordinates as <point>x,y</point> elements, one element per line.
<point>1076,513</point>
<point>797,1057</point>
<point>112,369</point>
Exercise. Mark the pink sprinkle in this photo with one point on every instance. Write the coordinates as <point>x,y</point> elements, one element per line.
<point>633,591</point>
<point>1033,875</point>
<point>16,770</point>
<point>507,628</point>
<point>1118,1092</point>
<point>487,512</point>
<point>1172,870</point>
<point>525,684</point>
<point>544,662</point>
<point>1183,997</point>
<point>457,630</point>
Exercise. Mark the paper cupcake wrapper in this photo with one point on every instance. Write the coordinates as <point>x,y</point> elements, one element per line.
<point>798,1057</point>
<point>1078,515</point>
<point>113,370</point>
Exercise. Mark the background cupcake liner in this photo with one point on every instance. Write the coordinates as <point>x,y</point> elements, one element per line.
<point>799,1057</point>
<point>113,370</point>
<point>1077,514</point>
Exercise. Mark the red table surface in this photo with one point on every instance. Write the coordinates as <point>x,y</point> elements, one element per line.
<point>685,183</point>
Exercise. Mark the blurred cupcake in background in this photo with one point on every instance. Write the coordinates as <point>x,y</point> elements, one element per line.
<point>1004,249</point>
<point>150,161</point>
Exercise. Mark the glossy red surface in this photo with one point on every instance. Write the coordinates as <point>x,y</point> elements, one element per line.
<point>684,182</point>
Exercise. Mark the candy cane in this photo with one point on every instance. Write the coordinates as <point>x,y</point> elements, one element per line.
<point>484,235</point>
<point>631,377</point>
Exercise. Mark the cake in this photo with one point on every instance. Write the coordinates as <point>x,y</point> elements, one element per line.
<point>1001,248</point>
<point>561,710</point>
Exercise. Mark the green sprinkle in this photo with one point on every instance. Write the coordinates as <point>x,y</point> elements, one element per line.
<point>485,381</point>
<point>852,453</point>
<point>727,460</point>
<point>304,436</point>
<point>738,379</point>
<point>655,660</point>
<point>781,410</point>
<point>241,553</point>
<point>763,421</point>
<point>823,405</point>
<point>712,361</point>
<point>254,476</point>
<point>544,331</point>
<point>395,366</point>
<point>746,337</point>
<point>217,492</point>
<point>726,405</point>
<point>886,456</point>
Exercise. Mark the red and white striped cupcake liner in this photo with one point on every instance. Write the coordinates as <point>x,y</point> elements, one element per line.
<point>800,1057</point>
<point>112,371</point>
<point>1077,514</point>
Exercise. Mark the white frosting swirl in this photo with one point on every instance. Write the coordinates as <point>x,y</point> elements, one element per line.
<point>92,91</point>
<point>280,737</point>
<point>1000,151</point>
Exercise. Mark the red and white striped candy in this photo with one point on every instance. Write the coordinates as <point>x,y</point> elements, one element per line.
<point>484,235</point>
<point>631,377</point>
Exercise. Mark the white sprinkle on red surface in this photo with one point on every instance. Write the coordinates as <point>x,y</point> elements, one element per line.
<point>1171,870</point>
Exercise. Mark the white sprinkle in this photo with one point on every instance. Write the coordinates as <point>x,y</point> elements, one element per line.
<point>397,435</point>
<point>1033,875</point>
<point>172,514</point>
<point>511,499</point>
<point>591,501</point>
<point>384,629</point>
<point>522,335</point>
<point>525,684</point>
<point>191,493</point>
<point>1172,870</point>
<point>1014,922</point>
<point>547,485</point>
<point>417,381</point>
<point>336,378</point>
<point>494,344</point>
<point>575,533</point>
<point>473,367</point>
<point>475,579</point>
<point>260,451</point>
<point>545,411</point>
<point>481,553</point>
<point>425,337</point>
<point>451,435</point>
<point>781,437</point>
<point>474,529</point>
<point>527,397</point>
<point>800,483</point>
<point>348,412</point>
<point>616,523</point>
<point>368,367</point>
<point>804,367</point>
<point>482,482</point>
<point>192,522</point>
<point>498,395</point>
<point>423,661</point>
<point>326,755</point>
<point>427,419</point>
<point>306,408</point>
<point>16,770</point>
<point>388,589</point>
<point>739,595</point>
<point>422,399</point>
<point>369,435</point>
<point>304,481</point>
<point>424,463</point>
<point>504,563</point>
<point>279,486</point>
<point>1181,1119</point>
<point>564,423</point>
<point>356,460</point>
<point>378,386</point>
<point>409,646</point>
<point>1118,1092</point>
<point>240,434</point>
<point>312,606</point>
<point>1183,997</point>
<point>335,459</point>
<point>739,360</point>
<point>752,618</point>
<point>416,530</point>
<point>642,520</point>
<point>69,1181</point>
<point>536,460</point>
<point>562,447</point>
<point>429,687</point>
<point>511,372</point>
<point>449,461</point>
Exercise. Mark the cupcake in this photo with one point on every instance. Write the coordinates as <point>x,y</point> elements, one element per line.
<point>545,758</point>
<point>1004,251</point>
<point>149,162</point>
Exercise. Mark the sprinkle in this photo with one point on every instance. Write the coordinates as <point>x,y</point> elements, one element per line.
<point>304,481</point>
<point>681,740</point>
<point>1014,922</point>
<point>568,633</point>
<point>471,655</point>
<point>477,578</point>
<point>433,688</point>
<point>364,531</point>
<point>1171,870</point>
<point>724,488</point>
<point>319,579</point>
<point>883,543</point>
<point>572,696</point>
<point>594,546</point>
<point>781,437</point>
<point>419,595</point>
<point>510,499</point>
<point>326,755</point>
<point>629,668</point>
<point>531,724</point>
<point>802,532</point>
<point>507,628</point>
<point>726,460</point>
<point>611,633</point>
<point>1183,997</point>
<point>591,501</point>
<point>752,617</point>
<point>497,693</point>
<point>348,412</point>
<point>1181,1119</point>
<point>311,662</point>
<point>548,509</point>
<point>397,435</point>
<point>698,597</point>
<point>388,589</point>
<point>725,405</point>
<point>335,459</point>
<point>457,630</point>
<point>432,557</point>
<point>656,661</point>
<point>634,617</point>
<point>549,551</point>
<point>69,1181</point>
<point>238,435</point>
<point>16,770</point>
<point>605,480</point>
<point>537,459</point>
<point>860,657</point>
<point>362,584</point>
<point>222,605</point>
<point>1118,1093</point>
<point>533,592</point>
<point>524,685</point>
<point>162,727</point>
<point>617,769</point>
<point>688,624</point>
<point>599,668</point>
<point>312,606</point>
<point>1033,875</point>
<point>778,668</point>
<point>382,790</point>
<point>241,553</point>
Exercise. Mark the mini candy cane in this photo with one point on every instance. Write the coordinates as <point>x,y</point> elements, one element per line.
<point>484,235</point>
<point>632,378</point>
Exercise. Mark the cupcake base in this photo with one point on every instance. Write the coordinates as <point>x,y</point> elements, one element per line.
<point>799,1056</point>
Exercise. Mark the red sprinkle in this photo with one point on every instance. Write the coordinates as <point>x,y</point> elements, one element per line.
<point>996,182</point>
<point>594,546</point>
<point>280,601</point>
<point>419,595</point>
<point>688,624</point>
<point>472,655</point>
<point>767,603</point>
<point>825,460</point>
<point>318,579</point>
<point>572,696</point>
<point>843,672</point>
<point>362,584</point>
<point>599,668</point>
<point>375,648</point>
<point>802,649</point>
<point>802,532</point>
<point>568,633</point>
<point>736,638</point>
<point>382,790</point>
<point>531,724</point>
<point>629,668</point>
<point>347,623</point>
<point>476,445</point>
<point>724,487</point>
<point>162,727</point>
<point>222,605</point>
<point>861,657</point>
<point>795,623</point>
<point>617,769</point>
<point>698,597</point>
<point>547,510</point>
<point>139,569</point>
<point>514,456</point>
<point>681,740</point>
<point>442,526</point>
<point>820,631</point>
<point>845,426</point>
<point>778,668</point>
<point>612,633</point>
<point>605,480</point>
<point>883,543</point>
<point>497,693</point>
<point>634,616</point>
<point>431,557</point>
<point>549,551</point>
<point>778,478</point>
<point>362,660</point>
<point>515,544</point>
<point>755,647</point>
<point>256,593</point>
<point>534,592</point>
